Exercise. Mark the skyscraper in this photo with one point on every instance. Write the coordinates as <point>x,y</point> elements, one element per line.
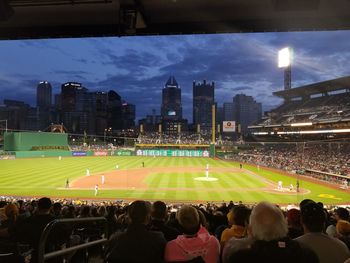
<point>171,108</point>
<point>246,111</point>
<point>43,103</point>
<point>44,95</point>
<point>229,111</point>
<point>78,108</point>
<point>203,99</point>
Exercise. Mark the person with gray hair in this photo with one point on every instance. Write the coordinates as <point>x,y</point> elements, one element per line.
<point>268,229</point>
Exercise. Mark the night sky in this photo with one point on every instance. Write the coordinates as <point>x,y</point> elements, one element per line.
<point>138,67</point>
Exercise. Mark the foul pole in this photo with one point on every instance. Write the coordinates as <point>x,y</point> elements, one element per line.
<point>213,124</point>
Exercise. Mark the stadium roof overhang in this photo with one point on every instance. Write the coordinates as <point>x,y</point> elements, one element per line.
<point>316,88</point>
<point>20,19</point>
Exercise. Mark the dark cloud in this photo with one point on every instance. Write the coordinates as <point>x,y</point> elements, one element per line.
<point>138,67</point>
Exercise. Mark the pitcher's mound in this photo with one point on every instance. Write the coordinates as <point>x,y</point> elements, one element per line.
<point>208,179</point>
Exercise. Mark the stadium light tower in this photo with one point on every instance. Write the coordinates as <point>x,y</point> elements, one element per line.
<point>285,61</point>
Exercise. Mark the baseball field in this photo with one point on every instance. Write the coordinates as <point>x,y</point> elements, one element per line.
<point>153,178</point>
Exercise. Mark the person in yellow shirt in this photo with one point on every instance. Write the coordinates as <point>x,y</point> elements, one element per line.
<point>238,219</point>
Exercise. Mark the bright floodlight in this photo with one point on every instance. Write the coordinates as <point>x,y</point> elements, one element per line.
<point>284,58</point>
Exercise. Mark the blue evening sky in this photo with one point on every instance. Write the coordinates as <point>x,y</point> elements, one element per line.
<point>138,67</point>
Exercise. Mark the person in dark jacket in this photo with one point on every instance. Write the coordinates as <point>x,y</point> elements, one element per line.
<point>159,216</point>
<point>137,244</point>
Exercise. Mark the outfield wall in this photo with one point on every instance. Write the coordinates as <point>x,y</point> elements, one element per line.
<point>26,141</point>
<point>32,154</point>
<point>56,153</point>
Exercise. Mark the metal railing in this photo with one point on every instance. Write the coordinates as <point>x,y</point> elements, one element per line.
<point>42,256</point>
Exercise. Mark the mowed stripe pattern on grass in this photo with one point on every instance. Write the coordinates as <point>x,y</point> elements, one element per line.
<point>47,177</point>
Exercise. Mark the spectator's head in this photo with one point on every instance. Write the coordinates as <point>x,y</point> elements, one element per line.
<point>11,211</point>
<point>293,217</point>
<point>44,205</point>
<point>189,220</point>
<point>267,222</point>
<point>239,216</point>
<point>3,204</point>
<point>159,210</point>
<point>341,214</point>
<point>202,219</point>
<point>313,218</point>
<point>343,227</point>
<point>139,212</point>
<point>305,202</point>
<point>85,211</point>
<point>56,209</point>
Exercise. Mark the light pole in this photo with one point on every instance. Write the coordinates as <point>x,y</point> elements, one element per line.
<point>285,62</point>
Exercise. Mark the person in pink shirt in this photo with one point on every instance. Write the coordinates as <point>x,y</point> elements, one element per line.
<point>196,242</point>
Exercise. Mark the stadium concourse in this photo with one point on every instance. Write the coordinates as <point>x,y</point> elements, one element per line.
<point>160,232</point>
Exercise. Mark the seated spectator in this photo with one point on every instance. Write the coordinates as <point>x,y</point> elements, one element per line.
<point>238,218</point>
<point>233,245</point>
<point>339,214</point>
<point>328,249</point>
<point>137,244</point>
<point>159,216</point>
<point>196,242</point>
<point>56,210</point>
<point>269,229</point>
<point>294,226</point>
<point>11,212</point>
<point>30,230</point>
<point>343,231</point>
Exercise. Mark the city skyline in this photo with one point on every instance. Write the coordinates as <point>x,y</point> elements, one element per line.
<point>137,67</point>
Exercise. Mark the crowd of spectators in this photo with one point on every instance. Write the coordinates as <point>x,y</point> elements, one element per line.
<point>333,107</point>
<point>331,158</point>
<point>159,232</point>
<point>183,138</point>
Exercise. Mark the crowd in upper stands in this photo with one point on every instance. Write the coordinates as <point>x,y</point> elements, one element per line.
<point>328,157</point>
<point>204,137</point>
<point>319,109</point>
<point>145,232</point>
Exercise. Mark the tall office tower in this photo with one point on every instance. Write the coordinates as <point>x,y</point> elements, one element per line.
<point>78,108</point>
<point>229,111</point>
<point>203,99</point>
<point>128,115</point>
<point>114,111</point>
<point>171,100</point>
<point>44,95</point>
<point>171,109</point>
<point>247,111</point>
<point>101,112</point>
<point>43,103</point>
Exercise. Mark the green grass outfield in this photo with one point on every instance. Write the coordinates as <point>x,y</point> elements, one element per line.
<point>47,177</point>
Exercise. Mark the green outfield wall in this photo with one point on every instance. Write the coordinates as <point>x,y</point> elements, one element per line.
<point>31,154</point>
<point>27,141</point>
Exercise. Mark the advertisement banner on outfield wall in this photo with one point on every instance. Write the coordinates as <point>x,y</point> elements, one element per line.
<point>228,126</point>
<point>172,153</point>
<point>7,157</point>
<point>79,153</point>
<point>101,153</point>
<point>122,153</point>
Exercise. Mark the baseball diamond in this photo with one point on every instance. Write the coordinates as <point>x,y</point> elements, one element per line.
<point>166,178</point>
